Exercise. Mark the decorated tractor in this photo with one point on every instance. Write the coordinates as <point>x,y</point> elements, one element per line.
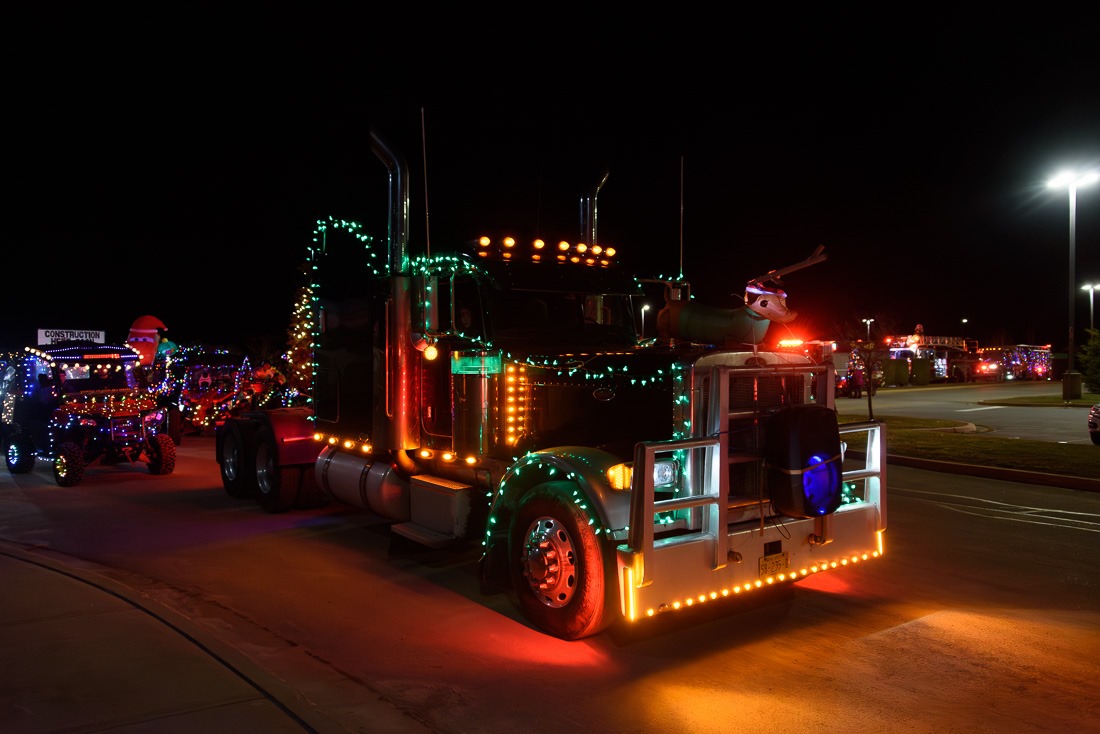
<point>76,403</point>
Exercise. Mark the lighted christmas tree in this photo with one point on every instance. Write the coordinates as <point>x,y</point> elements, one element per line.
<point>299,354</point>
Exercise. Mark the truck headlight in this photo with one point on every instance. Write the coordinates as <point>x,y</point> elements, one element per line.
<point>665,473</point>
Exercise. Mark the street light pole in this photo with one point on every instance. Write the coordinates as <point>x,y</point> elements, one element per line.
<point>868,322</point>
<point>1071,382</point>
<point>1090,289</point>
<point>644,309</point>
<point>964,329</point>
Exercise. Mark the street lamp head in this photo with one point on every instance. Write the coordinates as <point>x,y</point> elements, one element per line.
<point>1073,180</point>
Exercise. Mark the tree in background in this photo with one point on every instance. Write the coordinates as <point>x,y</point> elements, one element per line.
<point>1089,361</point>
<point>299,353</point>
<point>871,353</point>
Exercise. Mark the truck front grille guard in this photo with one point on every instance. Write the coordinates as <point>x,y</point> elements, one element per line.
<point>709,492</point>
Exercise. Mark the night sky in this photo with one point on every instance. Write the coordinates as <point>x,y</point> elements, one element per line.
<point>181,178</point>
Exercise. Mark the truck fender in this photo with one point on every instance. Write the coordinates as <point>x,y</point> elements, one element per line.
<point>294,435</point>
<point>583,465</point>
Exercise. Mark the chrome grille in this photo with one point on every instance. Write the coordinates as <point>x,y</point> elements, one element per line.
<point>754,396</point>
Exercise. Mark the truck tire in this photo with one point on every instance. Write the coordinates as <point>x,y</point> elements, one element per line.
<point>68,465</point>
<point>19,454</point>
<point>276,487</point>
<point>559,571</point>
<point>162,455</point>
<point>238,476</point>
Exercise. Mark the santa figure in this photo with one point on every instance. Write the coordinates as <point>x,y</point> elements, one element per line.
<point>916,338</point>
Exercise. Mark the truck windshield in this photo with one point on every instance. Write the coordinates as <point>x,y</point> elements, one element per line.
<point>85,378</point>
<point>564,317</point>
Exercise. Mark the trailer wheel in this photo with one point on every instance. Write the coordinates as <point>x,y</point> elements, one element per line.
<point>68,465</point>
<point>162,455</point>
<point>19,454</point>
<point>238,478</point>
<point>559,571</point>
<point>276,487</point>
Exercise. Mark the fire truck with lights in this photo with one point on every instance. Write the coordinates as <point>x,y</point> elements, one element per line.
<point>1019,361</point>
<point>503,398</point>
<point>949,358</point>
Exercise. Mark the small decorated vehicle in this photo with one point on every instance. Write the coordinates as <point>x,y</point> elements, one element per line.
<point>76,403</point>
<point>211,384</point>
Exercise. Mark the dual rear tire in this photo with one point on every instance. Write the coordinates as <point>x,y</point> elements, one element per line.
<point>249,468</point>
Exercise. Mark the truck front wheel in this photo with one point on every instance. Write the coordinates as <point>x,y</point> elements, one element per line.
<point>559,573</point>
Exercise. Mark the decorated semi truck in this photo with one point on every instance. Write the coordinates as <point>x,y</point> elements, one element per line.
<point>502,397</point>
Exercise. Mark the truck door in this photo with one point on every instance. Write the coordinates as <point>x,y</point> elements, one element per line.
<point>457,321</point>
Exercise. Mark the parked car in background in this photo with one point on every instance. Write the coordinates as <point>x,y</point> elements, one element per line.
<point>1094,424</point>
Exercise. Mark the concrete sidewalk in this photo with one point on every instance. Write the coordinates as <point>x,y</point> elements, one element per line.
<point>83,654</point>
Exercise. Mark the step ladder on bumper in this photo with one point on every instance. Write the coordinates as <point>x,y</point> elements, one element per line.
<point>721,553</point>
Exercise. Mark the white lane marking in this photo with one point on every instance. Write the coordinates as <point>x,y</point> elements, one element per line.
<point>994,510</point>
<point>985,407</point>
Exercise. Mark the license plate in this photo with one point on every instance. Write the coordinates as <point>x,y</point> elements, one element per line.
<point>773,564</point>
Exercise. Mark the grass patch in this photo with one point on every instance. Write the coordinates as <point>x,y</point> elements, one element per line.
<point>1087,399</point>
<point>917,437</point>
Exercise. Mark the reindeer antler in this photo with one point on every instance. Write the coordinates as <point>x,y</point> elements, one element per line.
<point>818,255</point>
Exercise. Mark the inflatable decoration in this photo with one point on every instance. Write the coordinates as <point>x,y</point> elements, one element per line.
<point>166,348</point>
<point>765,302</point>
<point>145,337</point>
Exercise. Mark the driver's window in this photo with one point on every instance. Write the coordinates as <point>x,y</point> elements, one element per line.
<point>595,312</point>
<point>467,308</point>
